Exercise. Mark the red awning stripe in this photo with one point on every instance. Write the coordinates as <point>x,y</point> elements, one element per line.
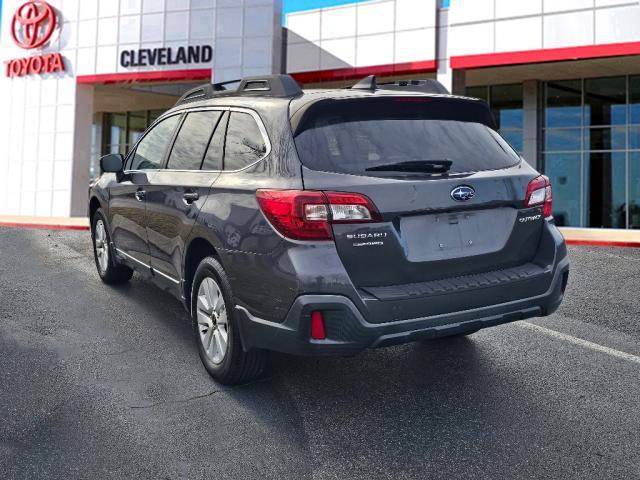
<point>545,55</point>
<point>350,73</point>
<point>153,76</point>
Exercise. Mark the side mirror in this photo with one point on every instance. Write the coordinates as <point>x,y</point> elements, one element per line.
<point>112,163</point>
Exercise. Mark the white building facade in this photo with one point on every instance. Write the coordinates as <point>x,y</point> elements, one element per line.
<point>562,78</point>
<point>115,54</point>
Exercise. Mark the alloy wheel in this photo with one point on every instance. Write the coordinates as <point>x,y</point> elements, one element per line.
<point>102,246</point>
<point>213,325</point>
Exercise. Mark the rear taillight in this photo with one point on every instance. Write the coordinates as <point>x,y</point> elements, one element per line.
<point>308,214</point>
<point>539,193</point>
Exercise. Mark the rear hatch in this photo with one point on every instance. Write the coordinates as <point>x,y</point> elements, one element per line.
<point>449,190</point>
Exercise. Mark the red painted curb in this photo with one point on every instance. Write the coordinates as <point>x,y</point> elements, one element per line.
<point>602,243</point>
<point>44,226</point>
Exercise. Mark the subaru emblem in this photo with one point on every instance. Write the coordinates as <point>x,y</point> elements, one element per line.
<point>463,193</point>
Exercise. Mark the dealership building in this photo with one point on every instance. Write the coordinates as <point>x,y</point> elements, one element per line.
<point>82,78</point>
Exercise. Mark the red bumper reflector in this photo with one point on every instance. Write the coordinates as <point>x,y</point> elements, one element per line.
<point>317,326</point>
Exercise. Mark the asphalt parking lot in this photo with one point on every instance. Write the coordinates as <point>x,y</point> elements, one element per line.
<point>103,382</point>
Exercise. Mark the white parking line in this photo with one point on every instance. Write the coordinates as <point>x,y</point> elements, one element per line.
<point>581,342</point>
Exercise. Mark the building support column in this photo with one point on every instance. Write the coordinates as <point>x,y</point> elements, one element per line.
<point>531,119</point>
<point>81,150</point>
<point>453,80</point>
<point>459,82</point>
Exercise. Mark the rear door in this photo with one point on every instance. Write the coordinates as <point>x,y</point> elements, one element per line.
<point>449,189</point>
<point>127,204</point>
<point>232,207</point>
<point>176,193</point>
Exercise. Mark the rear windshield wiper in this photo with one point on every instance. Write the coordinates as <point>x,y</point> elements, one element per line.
<point>427,166</point>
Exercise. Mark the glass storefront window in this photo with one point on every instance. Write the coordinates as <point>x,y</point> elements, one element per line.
<point>505,102</point>
<point>610,138</point>
<point>634,138</point>
<point>563,133</point>
<point>515,139</point>
<point>605,101</point>
<point>479,92</point>
<point>590,144</point>
<point>563,140</point>
<point>506,105</point>
<point>116,131</point>
<point>634,190</point>
<point>96,145</point>
<point>563,169</point>
<point>563,104</point>
<point>123,130</point>
<point>137,125</point>
<point>606,197</point>
<point>634,100</point>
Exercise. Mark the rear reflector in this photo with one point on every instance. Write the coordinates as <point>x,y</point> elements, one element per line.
<point>539,193</point>
<point>317,326</point>
<point>308,214</point>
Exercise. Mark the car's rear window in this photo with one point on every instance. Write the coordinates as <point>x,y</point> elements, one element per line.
<point>365,136</point>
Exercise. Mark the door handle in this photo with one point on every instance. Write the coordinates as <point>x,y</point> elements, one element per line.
<point>140,195</point>
<point>190,197</point>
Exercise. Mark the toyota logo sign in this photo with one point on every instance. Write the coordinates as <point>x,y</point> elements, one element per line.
<point>33,24</point>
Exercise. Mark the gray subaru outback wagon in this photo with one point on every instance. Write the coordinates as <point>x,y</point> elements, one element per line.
<point>324,222</point>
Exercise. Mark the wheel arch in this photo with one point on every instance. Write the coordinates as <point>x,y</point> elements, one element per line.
<point>94,205</point>
<point>198,249</point>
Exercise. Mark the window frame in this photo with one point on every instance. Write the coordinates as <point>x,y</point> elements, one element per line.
<point>165,162</point>
<point>168,148</point>
<point>223,123</point>
<point>184,112</point>
<point>263,132</point>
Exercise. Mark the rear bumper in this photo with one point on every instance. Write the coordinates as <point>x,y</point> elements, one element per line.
<point>348,331</point>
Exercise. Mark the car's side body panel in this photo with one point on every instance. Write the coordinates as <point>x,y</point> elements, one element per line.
<point>232,222</point>
<point>127,216</point>
<point>170,216</point>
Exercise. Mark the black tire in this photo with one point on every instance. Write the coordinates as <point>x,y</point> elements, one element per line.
<point>237,366</point>
<point>113,273</point>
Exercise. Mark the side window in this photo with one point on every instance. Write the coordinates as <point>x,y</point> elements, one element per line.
<point>150,150</point>
<point>245,144</point>
<point>215,152</point>
<point>192,140</point>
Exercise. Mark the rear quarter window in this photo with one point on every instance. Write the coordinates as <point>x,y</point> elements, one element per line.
<point>245,144</point>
